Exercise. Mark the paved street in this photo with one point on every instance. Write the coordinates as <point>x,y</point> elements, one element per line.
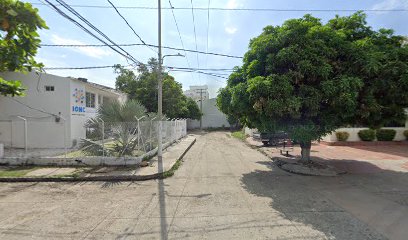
<point>223,190</point>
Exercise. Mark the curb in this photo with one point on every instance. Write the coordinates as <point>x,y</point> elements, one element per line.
<point>120,178</point>
<point>187,149</point>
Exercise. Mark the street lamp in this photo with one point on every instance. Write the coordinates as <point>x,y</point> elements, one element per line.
<point>172,55</point>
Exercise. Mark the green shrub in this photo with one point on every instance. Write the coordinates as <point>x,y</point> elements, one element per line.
<point>406,134</point>
<point>239,134</point>
<point>385,134</point>
<point>367,134</point>
<point>342,136</point>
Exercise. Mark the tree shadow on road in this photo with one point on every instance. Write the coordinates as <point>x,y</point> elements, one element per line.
<point>110,184</point>
<point>299,199</point>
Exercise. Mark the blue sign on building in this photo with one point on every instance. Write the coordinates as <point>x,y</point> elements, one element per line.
<point>78,109</point>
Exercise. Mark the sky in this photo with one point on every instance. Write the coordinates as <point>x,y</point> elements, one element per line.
<point>229,32</point>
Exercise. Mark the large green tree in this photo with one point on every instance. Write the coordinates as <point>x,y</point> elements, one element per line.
<point>308,78</point>
<point>19,41</point>
<point>143,87</point>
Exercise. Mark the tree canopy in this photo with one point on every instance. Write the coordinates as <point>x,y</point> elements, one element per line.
<point>308,78</point>
<point>19,41</point>
<point>143,87</point>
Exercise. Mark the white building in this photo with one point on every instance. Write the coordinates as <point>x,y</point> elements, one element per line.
<point>212,117</point>
<point>54,110</point>
<point>198,92</point>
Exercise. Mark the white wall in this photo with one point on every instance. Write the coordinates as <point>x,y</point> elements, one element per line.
<point>80,117</point>
<point>67,100</point>
<point>354,134</point>
<point>250,131</point>
<point>42,128</point>
<point>212,117</point>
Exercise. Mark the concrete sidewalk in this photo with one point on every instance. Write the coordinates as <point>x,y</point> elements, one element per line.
<point>170,156</point>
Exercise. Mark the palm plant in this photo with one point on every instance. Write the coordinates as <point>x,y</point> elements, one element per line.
<point>120,126</point>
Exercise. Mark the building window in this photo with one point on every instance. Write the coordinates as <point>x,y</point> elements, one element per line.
<point>90,99</point>
<point>49,88</point>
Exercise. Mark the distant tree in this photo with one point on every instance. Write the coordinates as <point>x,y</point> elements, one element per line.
<point>19,41</point>
<point>309,78</point>
<point>192,110</point>
<point>224,104</point>
<point>143,87</point>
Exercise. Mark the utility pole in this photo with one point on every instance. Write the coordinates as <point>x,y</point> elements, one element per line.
<point>160,88</point>
<point>201,105</point>
<point>201,109</point>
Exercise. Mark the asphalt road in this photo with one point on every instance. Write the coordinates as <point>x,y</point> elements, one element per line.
<point>223,190</point>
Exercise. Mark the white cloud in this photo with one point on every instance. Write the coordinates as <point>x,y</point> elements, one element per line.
<point>231,30</point>
<point>390,4</point>
<point>232,4</point>
<point>94,52</point>
<point>228,20</point>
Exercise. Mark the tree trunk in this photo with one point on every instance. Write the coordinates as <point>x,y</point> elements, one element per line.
<point>305,151</point>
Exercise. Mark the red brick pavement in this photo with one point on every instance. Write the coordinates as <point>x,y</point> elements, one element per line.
<point>354,159</point>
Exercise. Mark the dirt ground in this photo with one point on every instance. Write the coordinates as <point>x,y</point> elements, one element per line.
<point>224,189</point>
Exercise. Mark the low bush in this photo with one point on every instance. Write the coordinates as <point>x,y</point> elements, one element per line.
<point>385,134</point>
<point>406,134</point>
<point>366,134</point>
<point>342,136</point>
<point>239,134</point>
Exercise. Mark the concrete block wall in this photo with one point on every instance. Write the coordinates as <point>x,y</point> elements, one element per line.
<point>354,134</point>
<point>212,117</point>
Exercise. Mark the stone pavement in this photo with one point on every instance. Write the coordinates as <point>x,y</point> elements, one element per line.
<point>223,190</point>
<point>352,159</point>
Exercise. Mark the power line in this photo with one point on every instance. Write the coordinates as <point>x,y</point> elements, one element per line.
<point>173,69</point>
<point>124,53</point>
<point>75,13</point>
<point>238,9</point>
<point>33,108</point>
<point>195,36</point>
<point>208,27</point>
<point>205,69</point>
<point>206,73</point>
<point>75,68</point>
<point>127,23</point>
<point>181,39</point>
<point>52,6</point>
<point>169,67</point>
<point>138,44</point>
<point>208,21</point>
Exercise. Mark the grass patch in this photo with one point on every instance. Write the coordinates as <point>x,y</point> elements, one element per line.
<point>239,135</point>
<point>214,129</point>
<point>172,170</point>
<point>16,172</point>
<point>77,173</point>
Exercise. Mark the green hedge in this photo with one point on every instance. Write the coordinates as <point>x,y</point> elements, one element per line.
<point>342,136</point>
<point>385,134</point>
<point>239,134</point>
<point>367,134</point>
<point>406,134</point>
